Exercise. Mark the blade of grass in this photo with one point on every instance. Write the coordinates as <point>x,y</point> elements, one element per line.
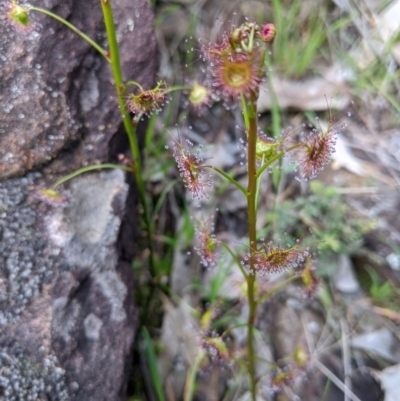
<point>153,368</point>
<point>191,377</point>
<point>160,201</point>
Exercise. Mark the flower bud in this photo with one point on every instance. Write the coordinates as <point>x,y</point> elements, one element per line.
<point>265,147</point>
<point>300,356</point>
<point>50,196</point>
<point>267,33</point>
<point>206,319</point>
<point>199,96</point>
<point>236,35</point>
<point>19,15</point>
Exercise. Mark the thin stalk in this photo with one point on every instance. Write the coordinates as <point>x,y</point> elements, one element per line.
<point>269,162</point>
<point>127,121</point>
<point>177,88</point>
<point>169,90</point>
<point>275,289</point>
<point>235,258</point>
<point>74,29</point>
<point>134,83</point>
<point>276,157</point>
<point>229,178</point>
<point>250,114</point>
<point>191,378</point>
<point>228,330</point>
<point>89,168</point>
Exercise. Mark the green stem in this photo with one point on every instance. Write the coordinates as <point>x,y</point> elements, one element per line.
<point>87,169</point>
<point>275,289</point>
<point>235,258</point>
<point>74,29</point>
<point>171,89</point>
<point>127,121</point>
<point>269,162</point>
<point>128,83</point>
<point>276,157</point>
<point>191,378</point>
<point>177,88</point>
<point>250,114</point>
<point>229,329</point>
<point>229,178</point>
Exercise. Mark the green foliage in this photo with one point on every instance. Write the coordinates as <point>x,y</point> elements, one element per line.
<point>213,290</point>
<point>383,292</point>
<point>152,365</point>
<point>371,68</point>
<point>327,215</point>
<point>191,378</point>
<point>299,36</point>
<point>217,281</point>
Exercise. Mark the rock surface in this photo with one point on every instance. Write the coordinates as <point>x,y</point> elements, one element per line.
<point>56,90</point>
<point>67,316</point>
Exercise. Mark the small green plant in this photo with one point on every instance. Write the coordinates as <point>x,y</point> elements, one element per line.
<point>384,293</point>
<point>334,224</point>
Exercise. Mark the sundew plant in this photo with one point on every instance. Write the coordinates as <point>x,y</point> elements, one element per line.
<point>234,68</point>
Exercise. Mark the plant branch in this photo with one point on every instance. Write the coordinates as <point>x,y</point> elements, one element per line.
<point>229,178</point>
<point>177,88</point>
<point>276,157</point>
<point>275,289</point>
<point>134,83</point>
<point>74,29</point>
<point>268,163</point>
<point>235,258</point>
<point>87,169</point>
<point>250,113</point>
<point>191,378</point>
<point>127,121</point>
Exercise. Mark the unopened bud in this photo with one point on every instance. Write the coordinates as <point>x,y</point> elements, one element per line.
<point>300,356</point>
<point>206,320</point>
<point>50,196</point>
<point>265,147</point>
<point>19,15</point>
<point>267,33</point>
<point>237,35</point>
<point>199,96</point>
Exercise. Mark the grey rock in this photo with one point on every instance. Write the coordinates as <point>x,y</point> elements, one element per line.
<point>67,315</point>
<point>56,91</point>
<point>27,261</point>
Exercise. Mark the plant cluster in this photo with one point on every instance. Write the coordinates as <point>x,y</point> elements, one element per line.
<point>323,211</point>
